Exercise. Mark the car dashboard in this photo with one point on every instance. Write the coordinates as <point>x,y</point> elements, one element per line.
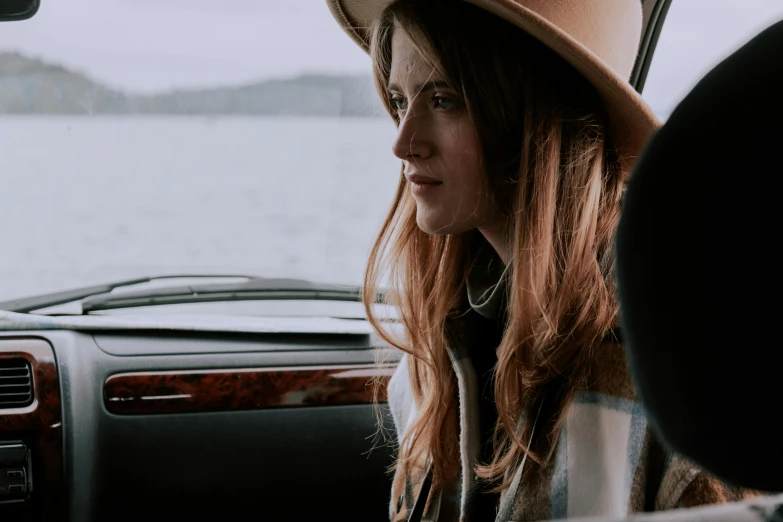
<point>155,424</point>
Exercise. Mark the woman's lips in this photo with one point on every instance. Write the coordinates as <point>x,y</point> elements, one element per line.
<point>422,180</point>
<point>423,185</point>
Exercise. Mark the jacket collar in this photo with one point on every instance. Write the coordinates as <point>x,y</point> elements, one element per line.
<point>487,283</point>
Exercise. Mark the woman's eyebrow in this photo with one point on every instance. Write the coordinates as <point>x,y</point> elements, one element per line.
<point>426,86</point>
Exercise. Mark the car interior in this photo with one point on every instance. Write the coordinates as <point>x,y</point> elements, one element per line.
<point>155,416</point>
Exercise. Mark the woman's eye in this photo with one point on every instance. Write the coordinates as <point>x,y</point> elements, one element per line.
<point>398,103</point>
<point>444,103</point>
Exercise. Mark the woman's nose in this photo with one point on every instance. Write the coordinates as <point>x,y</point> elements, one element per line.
<point>412,140</point>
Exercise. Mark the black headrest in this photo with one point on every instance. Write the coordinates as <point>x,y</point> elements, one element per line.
<point>699,270</point>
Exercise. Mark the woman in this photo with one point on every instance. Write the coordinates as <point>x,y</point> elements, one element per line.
<point>513,401</point>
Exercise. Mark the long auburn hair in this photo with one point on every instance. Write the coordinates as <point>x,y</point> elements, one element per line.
<point>555,175</point>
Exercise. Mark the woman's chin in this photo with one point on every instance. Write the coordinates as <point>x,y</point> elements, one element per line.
<point>440,227</point>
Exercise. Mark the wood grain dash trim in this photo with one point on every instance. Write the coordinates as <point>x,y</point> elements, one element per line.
<point>198,391</point>
<point>40,423</point>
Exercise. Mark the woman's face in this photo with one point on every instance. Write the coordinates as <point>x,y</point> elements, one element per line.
<point>438,145</point>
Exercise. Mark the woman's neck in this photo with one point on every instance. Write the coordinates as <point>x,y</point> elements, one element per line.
<point>497,237</point>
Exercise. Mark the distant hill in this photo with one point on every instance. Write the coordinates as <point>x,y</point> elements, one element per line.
<point>32,86</point>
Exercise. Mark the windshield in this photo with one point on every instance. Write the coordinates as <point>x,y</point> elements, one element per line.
<point>145,138</point>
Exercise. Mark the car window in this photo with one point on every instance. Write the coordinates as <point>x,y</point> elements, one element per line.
<point>187,136</point>
<point>696,36</point>
<point>142,138</point>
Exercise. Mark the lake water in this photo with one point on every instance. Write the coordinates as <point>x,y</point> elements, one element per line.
<point>86,200</point>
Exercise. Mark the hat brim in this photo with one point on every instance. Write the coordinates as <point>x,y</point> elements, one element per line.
<point>631,119</point>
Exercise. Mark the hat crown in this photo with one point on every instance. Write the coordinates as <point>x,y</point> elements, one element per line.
<point>610,29</point>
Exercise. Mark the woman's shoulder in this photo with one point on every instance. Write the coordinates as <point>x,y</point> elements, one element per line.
<point>680,482</point>
<point>608,374</point>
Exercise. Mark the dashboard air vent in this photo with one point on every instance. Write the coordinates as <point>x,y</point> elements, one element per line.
<point>16,383</point>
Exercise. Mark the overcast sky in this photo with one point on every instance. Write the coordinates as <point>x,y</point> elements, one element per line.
<point>159,44</point>
<point>151,45</point>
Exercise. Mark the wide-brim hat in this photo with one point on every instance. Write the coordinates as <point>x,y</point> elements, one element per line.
<point>599,38</point>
